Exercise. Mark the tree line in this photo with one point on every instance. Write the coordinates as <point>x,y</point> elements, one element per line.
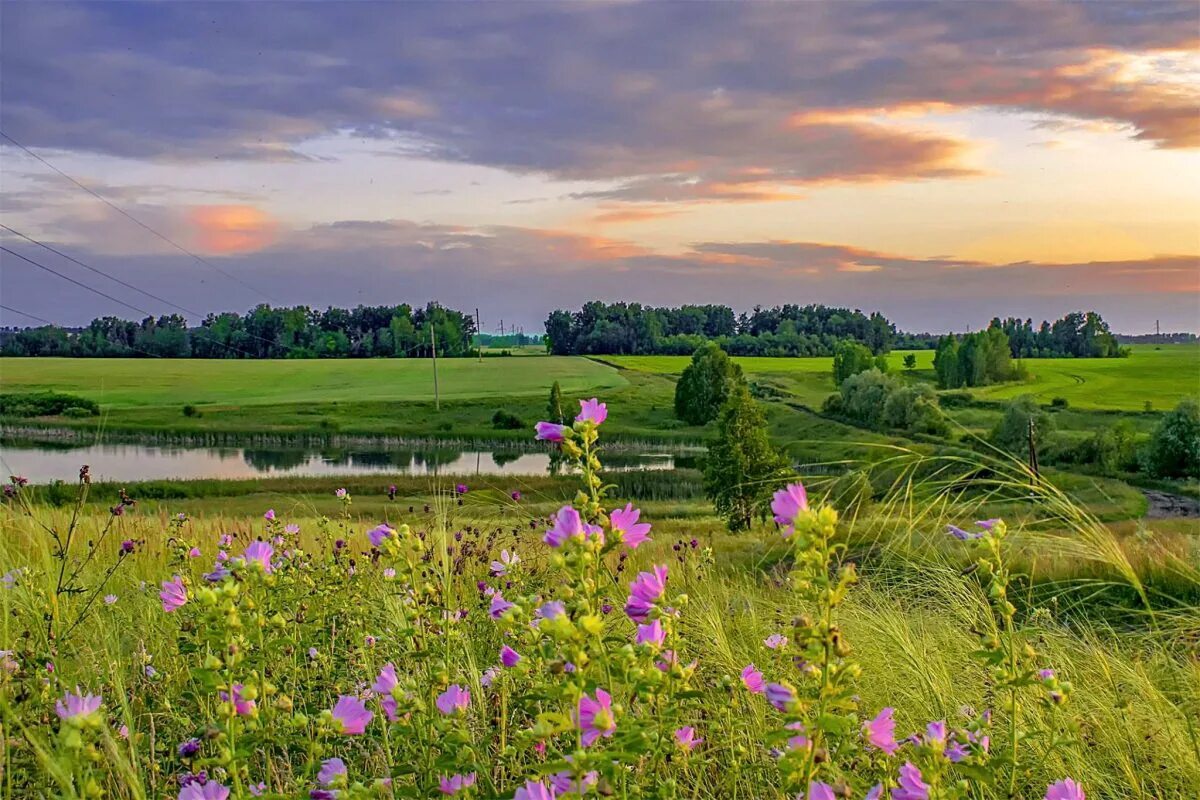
<point>263,332</point>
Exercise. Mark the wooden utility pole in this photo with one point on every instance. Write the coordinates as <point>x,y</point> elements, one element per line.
<point>437,400</point>
<point>479,335</point>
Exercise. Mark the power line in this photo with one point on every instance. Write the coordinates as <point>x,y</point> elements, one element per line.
<point>33,317</point>
<point>137,221</point>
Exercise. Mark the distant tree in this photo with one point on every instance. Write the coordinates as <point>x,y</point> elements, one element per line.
<point>946,363</point>
<point>705,385</point>
<point>851,358</point>
<point>910,361</point>
<point>742,466</point>
<point>1174,450</point>
<point>554,408</point>
<point>1012,432</point>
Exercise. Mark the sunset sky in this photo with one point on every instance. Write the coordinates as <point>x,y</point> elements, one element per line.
<point>940,162</point>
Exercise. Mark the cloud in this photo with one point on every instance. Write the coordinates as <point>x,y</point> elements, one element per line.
<point>226,229</point>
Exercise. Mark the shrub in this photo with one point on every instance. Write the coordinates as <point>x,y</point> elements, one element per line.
<point>1012,432</point>
<point>43,404</point>
<point>189,410</point>
<point>705,385</point>
<point>77,412</point>
<point>851,358</point>
<point>1174,450</point>
<point>1060,403</point>
<point>506,421</point>
<point>874,400</point>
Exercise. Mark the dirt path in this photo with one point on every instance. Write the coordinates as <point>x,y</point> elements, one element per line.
<point>1170,506</point>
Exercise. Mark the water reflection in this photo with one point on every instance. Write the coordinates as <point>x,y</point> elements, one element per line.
<point>132,462</point>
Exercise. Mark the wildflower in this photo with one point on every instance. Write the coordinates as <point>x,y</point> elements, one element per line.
<point>351,716</point>
<point>645,590</point>
<point>456,783</point>
<point>489,677</point>
<point>564,782</point>
<point>77,706</point>
<point>226,540</point>
<point>380,534</point>
<point>369,640</point>
<point>209,790</point>
<point>499,606</point>
<point>685,738</point>
<point>331,770</point>
<point>881,731</point>
<point>781,696</point>
<point>322,794</point>
<point>389,573</point>
<point>592,411</point>
<point>988,524</point>
<point>257,789</point>
<point>109,599</point>
<point>552,610</point>
<point>800,740</point>
<point>787,504</point>
<point>775,641</point>
<point>595,717</point>
<point>241,706</point>
<point>127,546</point>
<point>568,525</point>
<point>550,432</point>
<point>515,495</point>
<point>752,679</point>
<point>509,657</point>
<point>651,634</point>
<point>341,494</point>
<point>911,787</point>
<point>820,791</point>
<point>956,752</point>
<point>173,595</point>
<point>935,734</point>
<point>123,731</point>
<point>259,553</point>
<point>220,572</point>
<point>10,578</point>
<point>270,515</point>
<point>150,671</point>
<point>460,488</point>
<point>875,792</point>
<point>535,790</point>
<point>625,524</point>
<point>291,528</point>
<point>188,748</point>
<point>453,700</point>
<point>507,561</point>
<point>1046,674</point>
<point>1066,789</point>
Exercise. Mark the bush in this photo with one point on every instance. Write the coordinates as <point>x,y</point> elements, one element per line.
<point>955,399</point>
<point>506,421</point>
<point>77,412</point>
<point>1012,432</point>
<point>1060,403</point>
<point>1174,450</point>
<point>189,410</point>
<point>43,404</point>
<point>879,401</point>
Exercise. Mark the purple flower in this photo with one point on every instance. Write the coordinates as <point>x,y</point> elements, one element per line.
<point>270,515</point>
<point>257,789</point>
<point>322,794</point>
<point>651,634</point>
<point>351,715</point>
<point>331,770</point>
<point>1066,789</point>
<point>507,561</point>
<point>460,488</point>
<point>488,677</point>
<point>987,524</point>
<point>875,792</point>
<point>564,782</point>
<point>226,540</point>
<point>535,790</point>
<point>386,681</point>
<point>787,504</point>
<point>645,591</point>
<point>509,657</point>
<point>752,679</point>
<point>775,641</point>
<point>259,553</point>
<point>1046,674</point>
<point>173,594</point>
<point>109,599</point>
<point>455,783</point>
<point>550,432</point>
<point>73,706</point>
<point>188,748</point>
<point>241,706</point>
<point>685,738</point>
<point>453,700</point>
<point>592,411</point>
<point>820,791</point>
<point>800,740</point>
<point>956,752</point>
<point>625,524</point>
<point>220,572</point>
<point>595,717</point>
<point>340,494</point>
<point>552,609</point>
<point>781,696</point>
<point>127,546</point>
<point>935,734</point>
<point>881,731</point>
<point>194,552</point>
<point>499,606</point>
<point>567,526</point>
<point>210,790</point>
<point>911,787</point>
<point>515,496</point>
<point>379,535</point>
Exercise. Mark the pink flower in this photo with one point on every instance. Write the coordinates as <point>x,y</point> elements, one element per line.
<point>911,787</point>
<point>379,535</point>
<point>881,731</point>
<point>509,657</point>
<point>507,561</point>
<point>550,432</point>
<point>73,706</point>
<point>685,738</point>
<point>552,609</point>
<point>775,641</point>
<point>209,790</point>
<point>535,790</point>
<point>455,783</point>
<point>194,552</point>
<point>800,741</point>
<point>820,791</point>
<point>787,505</point>
<point>595,717</point>
<point>499,606</point>
<point>351,715</point>
<point>1066,789</point>
<point>781,696</point>
<point>629,530</point>
<point>752,679</point>
<point>875,792</point>
<point>386,681</point>
<point>592,411</point>
<point>645,591</point>
<point>454,699</point>
<point>173,595</point>
<point>568,525</point>
<point>241,706</point>
<point>651,634</point>
<point>270,515</point>
<point>259,553</point>
<point>331,770</point>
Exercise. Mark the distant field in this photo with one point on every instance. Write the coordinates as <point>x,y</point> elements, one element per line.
<point>132,383</point>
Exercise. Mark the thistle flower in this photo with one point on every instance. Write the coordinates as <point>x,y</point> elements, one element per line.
<point>787,503</point>
<point>592,411</point>
<point>550,432</point>
<point>350,715</point>
<point>1066,789</point>
<point>77,706</point>
<point>595,718</point>
<point>752,679</point>
<point>109,599</point>
<point>209,790</point>
<point>881,731</point>
<point>625,524</point>
<point>781,696</point>
<point>241,706</point>
<point>515,495</point>
<point>173,595</point>
<point>331,770</point>
<point>775,641</point>
<point>651,634</point>
<point>685,738</point>
<point>645,591</point>
<point>535,790</point>
<point>455,783</point>
<point>509,657</point>
<point>453,700</point>
<point>910,787</point>
<point>260,553</point>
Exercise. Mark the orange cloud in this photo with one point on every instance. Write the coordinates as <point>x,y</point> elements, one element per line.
<point>228,229</point>
<point>621,216</point>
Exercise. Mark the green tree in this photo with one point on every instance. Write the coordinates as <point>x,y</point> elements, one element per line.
<point>554,408</point>
<point>910,361</point>
<point>1012,432</point>
<point>946,363</point>
<point>705,385</point>
<point>742,466</point>
<point>1175,446</point>
<point>851,358</point>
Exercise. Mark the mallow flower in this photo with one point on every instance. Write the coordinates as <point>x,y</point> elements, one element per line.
<point>592,411</point>
<point>625,524</point>
<point>550,432</point>
<point>786,505</point>
<point>651,633</point>
<point>781,696</point>
<point>685,738</point>
<point>455,783</point>
<point>509,657</point>
<point>880,732</point>
<point>350,715</point>
<point>380,534</point>
<point>535,790</point>
<point>453,700</point>
<point>1066,789</point>
<point>645,591</point>
<point>911,786</point>
<point>568,525</point>
<point>818,790</point>
<point>173,595</point>
<point>77,706</point>
<point>752,679</point>
<point>259,552</point>
<point>595,718</point>
<point>331,770</point>
<point>209,790</point>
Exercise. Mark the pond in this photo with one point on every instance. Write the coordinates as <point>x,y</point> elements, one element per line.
<point>44,462</point>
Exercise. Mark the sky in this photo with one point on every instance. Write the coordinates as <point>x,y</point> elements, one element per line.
<point>942,163</point>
